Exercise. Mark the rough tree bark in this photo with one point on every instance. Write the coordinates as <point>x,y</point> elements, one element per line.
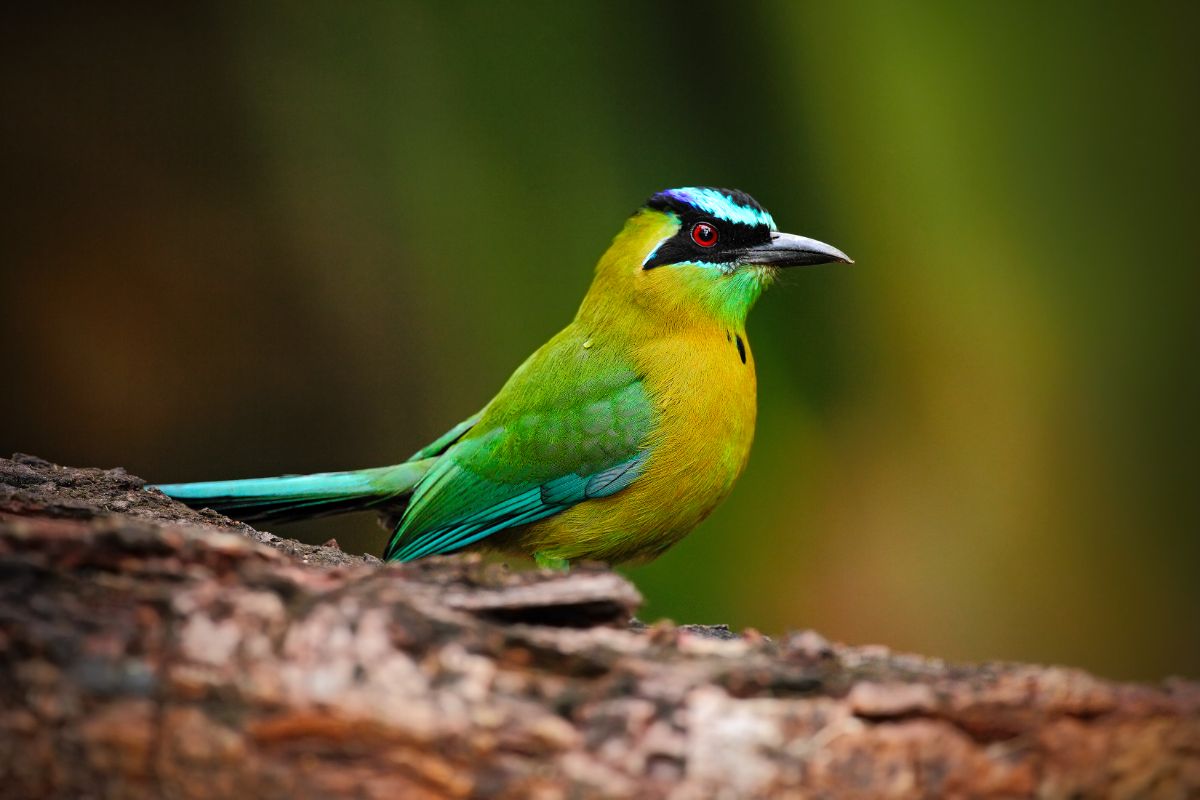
<point>149,650</point>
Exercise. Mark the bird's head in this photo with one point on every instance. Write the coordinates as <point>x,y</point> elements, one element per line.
<point>701,252</point>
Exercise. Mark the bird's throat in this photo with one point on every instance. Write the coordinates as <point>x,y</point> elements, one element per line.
<point>668,297</point>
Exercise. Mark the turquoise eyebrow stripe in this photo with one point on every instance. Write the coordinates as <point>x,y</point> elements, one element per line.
<point>721,206</point>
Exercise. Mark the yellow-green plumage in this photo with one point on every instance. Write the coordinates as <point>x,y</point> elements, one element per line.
<point>702,395</point>
<point>615,438</point>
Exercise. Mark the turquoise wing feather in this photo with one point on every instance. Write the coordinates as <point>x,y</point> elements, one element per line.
<point>541,447</point>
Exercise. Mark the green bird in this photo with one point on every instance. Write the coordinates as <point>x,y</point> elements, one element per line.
<point>615,438</point>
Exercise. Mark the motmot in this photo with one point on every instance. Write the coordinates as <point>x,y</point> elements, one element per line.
<point>615,438</point>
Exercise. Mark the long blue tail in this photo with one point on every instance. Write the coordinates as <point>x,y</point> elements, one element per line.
<point>294,497</point>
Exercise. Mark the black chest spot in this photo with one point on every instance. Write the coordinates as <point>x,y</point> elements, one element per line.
<point>741,346</point>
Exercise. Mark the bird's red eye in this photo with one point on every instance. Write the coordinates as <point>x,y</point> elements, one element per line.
<point>704,234</point>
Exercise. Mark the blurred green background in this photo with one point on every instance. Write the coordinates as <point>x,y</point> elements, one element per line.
<point>256,238</point>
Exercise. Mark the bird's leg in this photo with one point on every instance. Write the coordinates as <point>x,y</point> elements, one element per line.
<point>547,561</point>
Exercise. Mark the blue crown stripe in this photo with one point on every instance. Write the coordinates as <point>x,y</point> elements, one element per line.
<point>721,206</point>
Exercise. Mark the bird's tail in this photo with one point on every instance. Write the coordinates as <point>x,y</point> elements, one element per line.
<point>293,497</point>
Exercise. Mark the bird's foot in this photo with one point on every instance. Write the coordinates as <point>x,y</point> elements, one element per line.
<point>547,561</point>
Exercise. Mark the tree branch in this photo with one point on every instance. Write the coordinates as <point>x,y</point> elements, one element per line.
<point>150,650</point>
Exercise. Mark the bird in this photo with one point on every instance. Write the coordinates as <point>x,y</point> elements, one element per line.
<point>614,439</point>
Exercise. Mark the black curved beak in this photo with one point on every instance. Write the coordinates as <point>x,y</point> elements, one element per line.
<point>790,250</point>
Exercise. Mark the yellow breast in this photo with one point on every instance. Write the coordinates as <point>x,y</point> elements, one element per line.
<point>702,383</point>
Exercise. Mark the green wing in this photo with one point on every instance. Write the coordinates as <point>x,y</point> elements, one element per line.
<point>566,428</point>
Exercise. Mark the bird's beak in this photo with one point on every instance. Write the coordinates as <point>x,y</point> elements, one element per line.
<point>790,250</point>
